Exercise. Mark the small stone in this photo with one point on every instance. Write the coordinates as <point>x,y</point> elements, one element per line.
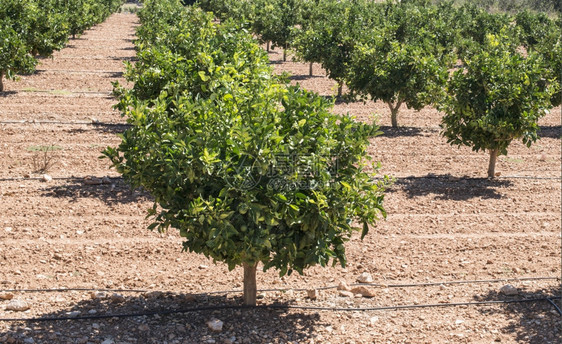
<point>73,314</point>
<point>215,325</point>
<point>345,293</point>
<point>17,306</point>
<point>117,298</point>
<point>108,341</point>
<point>106,180</point>
<point>343,286</point>
<point>94,120</point>
<point>365,278</point>
<point>92,181</point>
<point>189,298</point>
<point>153,294</point>
<point>98,295</point>
<point>373,320</point>
<point>144,327</point>
<point>230,340</point>
<point>312,294</point>
<point>29,340</point>
<point>459,321</point>
<point>203,267</point>
<point>489,262</point>
<point>96,326</point>
<point>6,296</point>
<point>46,178</point>
<point>8,229</point>
<point>363,291</point>
<point>510,290</point>
<point>92,311</point>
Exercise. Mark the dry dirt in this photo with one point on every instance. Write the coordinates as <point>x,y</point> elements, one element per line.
<point>446,223</point>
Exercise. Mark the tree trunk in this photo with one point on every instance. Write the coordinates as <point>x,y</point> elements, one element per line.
<point>284,54</point>
<point>340,89</point>
<point>1,83</point>
<point>250,289</point>
<point>310,69</point>
<point>492,164</point>
<point>394,113</point>
<point>267,46</point>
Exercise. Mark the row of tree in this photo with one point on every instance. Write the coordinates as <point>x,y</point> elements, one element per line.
<point>248,168</point>
<point>493,75</point>
<point>32,28</point>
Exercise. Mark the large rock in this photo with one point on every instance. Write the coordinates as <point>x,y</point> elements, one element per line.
<point>365,278</point>
<point>17,306</point>
<point>510,290</point>
<point>6,296</point>
<point>215,325</point>
<point>363,291</point>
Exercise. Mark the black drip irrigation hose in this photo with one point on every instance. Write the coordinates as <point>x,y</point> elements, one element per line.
<point>63,92</point>
<point>94,123</point>
<point>56,178</point>
<point>555,305</point>
<point>282,307</point>
<point>406,285</point>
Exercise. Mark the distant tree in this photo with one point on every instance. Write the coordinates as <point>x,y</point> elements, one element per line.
<point>496,98</point>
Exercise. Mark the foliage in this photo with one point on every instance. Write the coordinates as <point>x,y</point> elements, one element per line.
<point>535,27</point>
<point>14,56</point>
<point>332,31</point>
<point>33,27</point>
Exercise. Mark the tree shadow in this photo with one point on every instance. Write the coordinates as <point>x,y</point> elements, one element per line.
<point>5,94</point>
<point>112,191</point>
<point>157,318</point>
<point>535,321</point>
<point>304,77</point>
<point>448,187</point>
<point>553,132</point>
<point>110,128</point>
<point>388,131</point>
<point>124,58</point>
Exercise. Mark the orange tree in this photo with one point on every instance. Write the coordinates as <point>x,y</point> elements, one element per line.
<point>248,169</point>
<point>496,98</point>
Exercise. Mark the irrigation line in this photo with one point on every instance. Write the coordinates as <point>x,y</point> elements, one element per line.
<point>67,71</point>
<point>283,307</point>
<point>555,305</point>
<point>73,289</point>
<point>407,285</point>
<point>94,123</point>
<point>13,179</point>
<point>64,92</point>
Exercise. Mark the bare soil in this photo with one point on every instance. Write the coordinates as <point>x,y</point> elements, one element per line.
<point>446,223</point>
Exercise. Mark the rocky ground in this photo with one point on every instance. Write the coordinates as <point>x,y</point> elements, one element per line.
<point>77,242</point>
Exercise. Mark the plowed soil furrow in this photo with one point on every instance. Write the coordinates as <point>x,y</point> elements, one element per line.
<point>446,222</point>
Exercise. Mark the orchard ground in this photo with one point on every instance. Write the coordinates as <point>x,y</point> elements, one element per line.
<point>446,222</point>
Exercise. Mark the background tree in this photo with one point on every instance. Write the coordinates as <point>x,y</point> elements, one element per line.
<point>14,55</point>
<point>331,36</point>
<point>398,63</point>
<point>498,97</point>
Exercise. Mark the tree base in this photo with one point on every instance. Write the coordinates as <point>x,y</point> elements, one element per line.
<point>250,286</point>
